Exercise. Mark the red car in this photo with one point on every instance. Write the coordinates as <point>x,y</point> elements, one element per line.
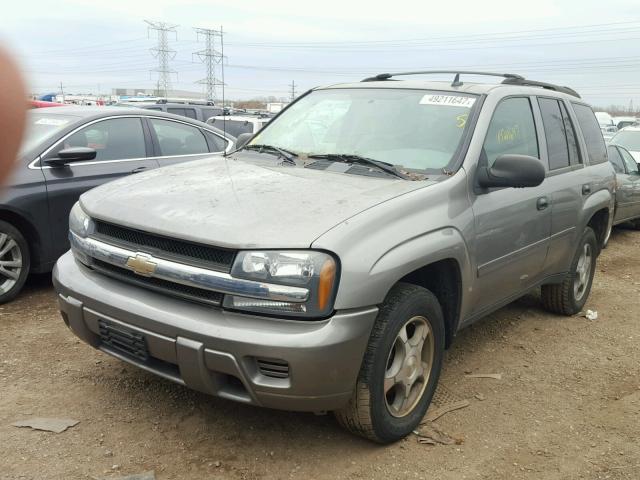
<point>42,104</point>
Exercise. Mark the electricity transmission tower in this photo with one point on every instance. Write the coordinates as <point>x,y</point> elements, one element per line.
<point>163,53</point>
<point>293,90</point>
<point>212,57</point>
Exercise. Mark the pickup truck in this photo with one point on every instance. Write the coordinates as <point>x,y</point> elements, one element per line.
<point>327,263</point>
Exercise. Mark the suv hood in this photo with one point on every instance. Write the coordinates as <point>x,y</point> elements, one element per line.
<point>238,204</point>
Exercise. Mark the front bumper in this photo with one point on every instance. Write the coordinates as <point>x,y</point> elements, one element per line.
<point>216,351</point>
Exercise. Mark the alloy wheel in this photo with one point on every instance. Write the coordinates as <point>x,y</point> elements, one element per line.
<point>583,272</point>
<point>10,262</point>
<point>409,366</point>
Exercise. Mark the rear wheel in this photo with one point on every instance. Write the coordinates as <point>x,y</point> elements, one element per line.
<point>401,367</point>
<point>14,262</point>
<point>569,297</point>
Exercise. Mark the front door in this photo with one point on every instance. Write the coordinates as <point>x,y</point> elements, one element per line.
<point>512,224</point>
<point>121,149</point>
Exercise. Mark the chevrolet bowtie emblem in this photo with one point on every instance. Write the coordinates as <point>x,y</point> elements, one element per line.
<point>142,264</point>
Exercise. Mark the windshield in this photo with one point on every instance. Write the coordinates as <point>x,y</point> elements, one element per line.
<point>42,126</point>
<point>628,139</point>
<point>412,129</point>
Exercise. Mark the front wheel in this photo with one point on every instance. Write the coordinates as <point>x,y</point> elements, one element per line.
<point>569,297</point>
<point>401,367</point>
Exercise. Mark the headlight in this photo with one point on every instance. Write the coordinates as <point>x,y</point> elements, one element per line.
<point>316,271</point>
<point>79,222</point>
<point>81,225</point>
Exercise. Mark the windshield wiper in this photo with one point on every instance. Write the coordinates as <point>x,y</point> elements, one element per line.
<point>287,155</point>
<point>353,158</point>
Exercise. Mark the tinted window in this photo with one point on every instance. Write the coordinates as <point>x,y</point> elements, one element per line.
<point>217,144</point>
<point>572,138</point>
<point>554,133</point>
<point>616,160</point>
<point>190,112</point>
<point>114,139</point>
<point>629,161</point>
<point>236,127</point>
<point>596,147</point>
<point>511,130</point>
<point>154,108</point>
<point>178,139</point>
<point>177,111</point>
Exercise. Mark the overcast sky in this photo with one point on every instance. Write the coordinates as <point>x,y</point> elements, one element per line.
<point>91,46</point>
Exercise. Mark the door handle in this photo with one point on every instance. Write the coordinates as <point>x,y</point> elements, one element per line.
<point>139,169</point>
<point>542,203</point>
<point>586,189</point>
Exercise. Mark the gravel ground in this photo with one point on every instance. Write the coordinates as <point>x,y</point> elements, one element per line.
<point>567,406</point>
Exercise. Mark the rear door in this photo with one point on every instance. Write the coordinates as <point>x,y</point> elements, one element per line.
<point>624,186</point>
<point>512,224</point>
<point>122,149</point>
<point>175,141</point>
<point>565,180</point>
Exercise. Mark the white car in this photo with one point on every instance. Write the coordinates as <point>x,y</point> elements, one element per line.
<point>629,138</point>
<point>235,125</point>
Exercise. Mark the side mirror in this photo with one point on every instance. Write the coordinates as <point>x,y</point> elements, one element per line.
<point>510,170</point>
<point>72,154</point>
<point>243,139</point>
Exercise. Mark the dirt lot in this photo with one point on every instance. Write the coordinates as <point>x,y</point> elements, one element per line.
<point>567,406</point>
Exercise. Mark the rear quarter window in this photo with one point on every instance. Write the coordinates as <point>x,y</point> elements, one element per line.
<point>596,148</point>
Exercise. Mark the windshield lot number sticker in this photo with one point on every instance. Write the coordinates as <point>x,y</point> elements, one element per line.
<point>448,100</point>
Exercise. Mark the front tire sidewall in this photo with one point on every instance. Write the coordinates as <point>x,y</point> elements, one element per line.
<point>387,427</point>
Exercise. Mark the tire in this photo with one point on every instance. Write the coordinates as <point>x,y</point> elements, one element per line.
<point>564,298</point>
<point>386,418</point>
<point>13,251</point>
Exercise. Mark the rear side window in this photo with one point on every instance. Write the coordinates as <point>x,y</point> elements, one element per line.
<point>616,159</point>
<point>512,130</point>
<point>178,139</point>
<point>177,111</point>
<point>596,148</point>
<point>554,132</point>
<point>217,144</point>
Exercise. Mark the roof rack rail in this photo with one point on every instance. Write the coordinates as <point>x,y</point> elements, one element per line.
<point>456,80</point>
<point>509,79</point>
<point>532,83</point>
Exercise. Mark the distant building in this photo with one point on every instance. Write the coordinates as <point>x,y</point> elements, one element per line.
<point>275,107</point>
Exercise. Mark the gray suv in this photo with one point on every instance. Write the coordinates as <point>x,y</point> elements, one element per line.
<point>328,262</point>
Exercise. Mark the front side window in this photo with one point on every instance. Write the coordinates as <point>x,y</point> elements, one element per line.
<point>616,159</point>
<point>596,148</point>
<point>412,129</point>
<point>176,138</point>
<point>629,161</point>
<point>113,139</point>
<point>512,131</point>
<point>216,142</point>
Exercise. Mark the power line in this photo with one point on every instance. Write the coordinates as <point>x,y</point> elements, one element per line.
<point>211,57</point>
<point>163,53</point>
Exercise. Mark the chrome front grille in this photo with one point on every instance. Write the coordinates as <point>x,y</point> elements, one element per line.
<point>187,292</point>
<point>216,258</point>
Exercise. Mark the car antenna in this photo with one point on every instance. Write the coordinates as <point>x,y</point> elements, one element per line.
<point>456,81</point>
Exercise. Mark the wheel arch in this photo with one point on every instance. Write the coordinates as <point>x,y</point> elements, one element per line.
<point>443,278</point>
